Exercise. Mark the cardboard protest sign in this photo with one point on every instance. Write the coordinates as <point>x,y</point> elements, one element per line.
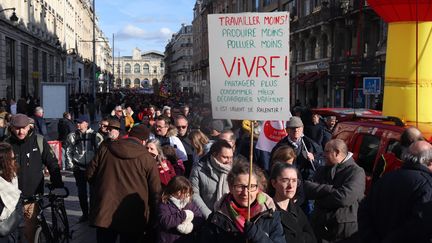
<point>249,65</point>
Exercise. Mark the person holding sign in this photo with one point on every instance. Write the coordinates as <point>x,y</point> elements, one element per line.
<point>229,222</point>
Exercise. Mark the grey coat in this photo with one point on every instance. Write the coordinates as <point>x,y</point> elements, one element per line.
<point>204,179</point>
<point>337,192</point>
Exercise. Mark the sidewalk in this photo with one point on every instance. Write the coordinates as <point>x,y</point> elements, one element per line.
<point>81,232</point>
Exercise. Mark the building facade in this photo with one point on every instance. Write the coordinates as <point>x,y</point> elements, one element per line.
<point>200,58</point>
<point>140,70</point>
<point>178,61</point>
<point>334,44</point>
<point>50,42</point>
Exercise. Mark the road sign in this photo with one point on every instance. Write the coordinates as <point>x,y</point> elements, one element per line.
<point>372,85</point>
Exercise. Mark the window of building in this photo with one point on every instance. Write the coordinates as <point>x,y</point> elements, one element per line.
<point>44,67</point>
<point>128,82</point>
<point>146,69</point>
<point>136,82</point>
<point>127,68</point>
<point>306,7</point>
<point>155,69</point>
<point>24,70</point>
<point>10,68</point>
<point>312,47</point>
<point>302,52</point>
<point>137,68</point>
<point>324,46</point>
<point>51,68</point>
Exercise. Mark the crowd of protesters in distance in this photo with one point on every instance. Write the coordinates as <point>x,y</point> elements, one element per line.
<point>164,170</point>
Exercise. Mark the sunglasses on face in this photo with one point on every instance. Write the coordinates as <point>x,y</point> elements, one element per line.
<point>181,127</point>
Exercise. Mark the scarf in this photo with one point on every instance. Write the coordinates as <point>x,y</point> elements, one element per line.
<point>9,194</point>
<point>222,171</point>
<point>239,214</point>
<point>180,204</point>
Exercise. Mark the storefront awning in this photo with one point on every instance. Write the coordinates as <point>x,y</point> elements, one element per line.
<point>310,78</point>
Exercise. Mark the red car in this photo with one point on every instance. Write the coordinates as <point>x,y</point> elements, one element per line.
<point>372,136</point>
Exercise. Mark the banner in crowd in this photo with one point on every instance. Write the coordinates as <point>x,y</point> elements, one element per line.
<point>249,65</point>
<point>272,132</point>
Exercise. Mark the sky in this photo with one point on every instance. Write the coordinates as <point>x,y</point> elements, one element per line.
<point>146,24</point>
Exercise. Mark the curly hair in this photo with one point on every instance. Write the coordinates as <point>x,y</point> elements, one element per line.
<point>8,165</point>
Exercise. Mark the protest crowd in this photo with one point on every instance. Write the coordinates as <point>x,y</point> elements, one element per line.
<point>164,170</point>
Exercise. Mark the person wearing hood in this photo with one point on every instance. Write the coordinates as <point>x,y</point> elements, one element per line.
<point>32,153</point>
<point>82,146</point>
<point>125,189</point>
<point>337,188</point>
<point>229,222</point>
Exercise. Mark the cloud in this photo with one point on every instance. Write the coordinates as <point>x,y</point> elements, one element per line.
<point>131,32</point>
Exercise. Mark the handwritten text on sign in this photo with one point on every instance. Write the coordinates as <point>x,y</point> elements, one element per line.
<point>249,65</point>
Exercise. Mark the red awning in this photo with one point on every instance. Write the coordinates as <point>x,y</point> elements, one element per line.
<point>303,78</point>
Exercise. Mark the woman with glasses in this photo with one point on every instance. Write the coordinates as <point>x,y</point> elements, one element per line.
<point>9,193</point>
<point>284,179</point>
<point>228,223</point>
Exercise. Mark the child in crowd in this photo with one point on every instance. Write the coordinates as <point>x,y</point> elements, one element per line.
<point>179,216</point>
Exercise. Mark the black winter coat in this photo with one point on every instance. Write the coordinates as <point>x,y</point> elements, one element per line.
<point>295,224</point>
<point>390,212</point>
<point>221,228</point>
<point>65,126</point>
<point>31,163</point>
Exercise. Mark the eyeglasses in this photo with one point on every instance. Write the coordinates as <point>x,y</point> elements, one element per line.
<point>181,127</point>
<point>239,188</point>
<point>104,125</point>
<point>118,110</point>
<point>14,158</point>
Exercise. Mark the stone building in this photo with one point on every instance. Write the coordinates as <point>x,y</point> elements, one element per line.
<point>50,41</point>
<point>140,70</point>
<point>178,61</point>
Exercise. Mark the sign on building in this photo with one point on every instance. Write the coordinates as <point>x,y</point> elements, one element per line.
<point>372,85</point>
<point>249,65</point>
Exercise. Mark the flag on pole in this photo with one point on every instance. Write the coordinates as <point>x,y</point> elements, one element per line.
<point>272,132</point>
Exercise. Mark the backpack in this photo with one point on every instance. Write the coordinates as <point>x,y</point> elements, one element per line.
<point>39,141</point>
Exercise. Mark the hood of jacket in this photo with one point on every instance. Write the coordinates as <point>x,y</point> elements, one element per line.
<point>127,148</point>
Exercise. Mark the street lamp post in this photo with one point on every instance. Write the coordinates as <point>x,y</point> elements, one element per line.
<point>13,17</point>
